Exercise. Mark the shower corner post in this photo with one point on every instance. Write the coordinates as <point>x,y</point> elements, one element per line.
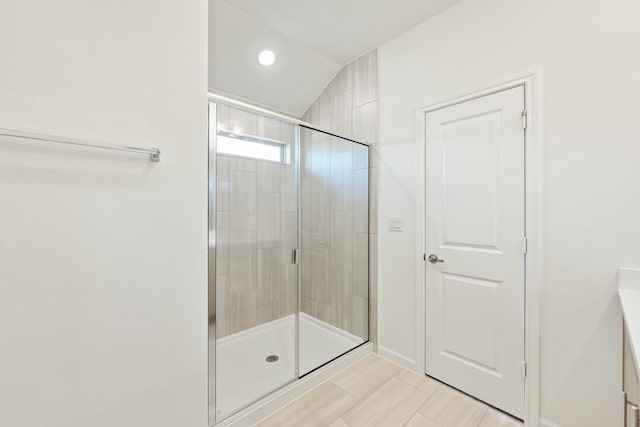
<point>298,178</point>
<point>369,296</point>
<point>211,263</point>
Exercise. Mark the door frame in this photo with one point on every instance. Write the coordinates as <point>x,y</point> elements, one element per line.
<point>533,217</point>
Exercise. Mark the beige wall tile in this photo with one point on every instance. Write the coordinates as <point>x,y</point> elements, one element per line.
<point>288,234</point>
<point>236,311</point>
<point>361,264</point>
<point>306,160</point>
<point>316,309</point>
<point>365,122</point>
<point>290,289</point>
<point>305,271</point>
<point>360,200</point>
<point>244,165</point>
<point>373,324</point>
<point>243,122</point>
<point>267,127</point>
<point>341,182</point>
<point>373,267</point>
<point>341,82</point>
<point>269,278</point>
<point>270,312</point>
<point>319,275</point>
<point>289,200</point>
<point>243,260</point>
<point>365,78</point>
<point>323,112</point>
<point>287,133</point>
<point>341,251</point>
<point>340,300</point>
<point>268,211</point>
<point>360,156</point>
<point>339,145</point>
<point>390,405</point>
<point>373,200</point>
<point>305,204</point>
<point>342,112</point>
<point>320,217</point>
<point>268,238</point>
<point>360,317</point>
<point>243,201</point>
<point>269,177</point>
<point>246,311</point>
<point>320,170</point>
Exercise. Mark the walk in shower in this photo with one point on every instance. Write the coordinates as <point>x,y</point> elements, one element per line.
<point>288,253</point>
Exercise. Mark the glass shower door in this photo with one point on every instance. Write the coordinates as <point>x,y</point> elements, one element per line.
<point>255,279</point>
<point>334,267</point>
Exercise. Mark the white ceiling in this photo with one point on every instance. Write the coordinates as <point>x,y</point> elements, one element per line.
<point>312,41</point>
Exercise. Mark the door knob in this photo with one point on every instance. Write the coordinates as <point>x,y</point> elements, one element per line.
<point>434,258</point>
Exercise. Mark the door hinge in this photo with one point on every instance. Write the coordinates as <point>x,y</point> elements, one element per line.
<point>524,119</point>
<point>295,259</point>
<point>525,245</point>
<point>524,369</point>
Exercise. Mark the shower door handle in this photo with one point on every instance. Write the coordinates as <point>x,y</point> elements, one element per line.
<point>295,256</point>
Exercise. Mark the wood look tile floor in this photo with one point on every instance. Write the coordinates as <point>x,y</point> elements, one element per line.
<point>378,392</point>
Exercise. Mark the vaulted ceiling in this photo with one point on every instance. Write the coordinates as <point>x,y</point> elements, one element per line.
<point>312,40</point>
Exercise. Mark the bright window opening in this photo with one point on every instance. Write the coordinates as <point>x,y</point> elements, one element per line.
<point>252,147</point>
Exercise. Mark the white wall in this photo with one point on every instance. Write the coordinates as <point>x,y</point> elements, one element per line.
<point>588,54</point>
<point>103,254</point>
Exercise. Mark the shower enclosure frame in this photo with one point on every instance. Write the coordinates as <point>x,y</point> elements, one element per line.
<point>213,100</point>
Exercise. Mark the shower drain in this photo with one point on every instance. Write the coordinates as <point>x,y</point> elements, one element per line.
<point>272,358</point>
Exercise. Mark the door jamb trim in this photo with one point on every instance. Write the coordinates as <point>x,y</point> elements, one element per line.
<point>531,80</point>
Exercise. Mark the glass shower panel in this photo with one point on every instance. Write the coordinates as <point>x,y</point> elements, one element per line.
<point>256,281</point>
<point>334,267</point>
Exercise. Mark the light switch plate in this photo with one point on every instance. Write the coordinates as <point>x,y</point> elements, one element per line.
<point>396,223</point>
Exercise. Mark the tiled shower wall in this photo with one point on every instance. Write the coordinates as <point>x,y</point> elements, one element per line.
<point>256,229</point>
<point>334,213</point>
<point>349,107</point>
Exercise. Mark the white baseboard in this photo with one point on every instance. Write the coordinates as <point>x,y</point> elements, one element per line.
<point>398,358</point>
<point>270,404</point>
<point>546,423</point>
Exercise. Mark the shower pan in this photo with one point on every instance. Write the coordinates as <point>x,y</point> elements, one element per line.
<point>288,252</point>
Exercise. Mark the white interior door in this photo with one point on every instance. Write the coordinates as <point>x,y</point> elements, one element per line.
<point>475,226</point>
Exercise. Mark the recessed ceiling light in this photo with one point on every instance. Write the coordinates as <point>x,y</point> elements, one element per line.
<point>266,57</point>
